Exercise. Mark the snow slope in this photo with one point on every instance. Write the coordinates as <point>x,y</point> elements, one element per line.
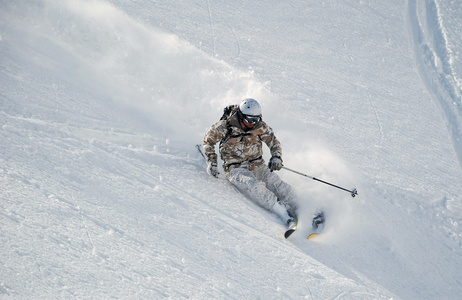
<point>103,194</point>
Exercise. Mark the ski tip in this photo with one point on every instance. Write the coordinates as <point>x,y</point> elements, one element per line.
<point>312,236</point>
<point>289,233</point>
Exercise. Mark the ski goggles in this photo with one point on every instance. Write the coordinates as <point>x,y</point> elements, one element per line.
<point>252,119</point>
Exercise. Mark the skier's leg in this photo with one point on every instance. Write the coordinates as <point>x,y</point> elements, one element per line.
<point>284,214</point>
<point>249,185</point>
<point>283,191</point>
<point>246,182</point>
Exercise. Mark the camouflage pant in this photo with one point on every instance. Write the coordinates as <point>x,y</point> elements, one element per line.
<point>263,186</point>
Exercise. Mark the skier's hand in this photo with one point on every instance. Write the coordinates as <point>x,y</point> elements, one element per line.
<point>212,169</point>
<point>275,163</point>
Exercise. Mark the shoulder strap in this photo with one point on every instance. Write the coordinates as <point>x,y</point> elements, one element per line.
<point>228,111</point>
<point>228,133</point>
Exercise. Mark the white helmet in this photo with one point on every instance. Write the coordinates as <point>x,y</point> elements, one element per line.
<point>250,107</point>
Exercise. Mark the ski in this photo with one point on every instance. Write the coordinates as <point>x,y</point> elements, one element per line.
<point>316,232</point>
<point>291,229</point>
<point>317,226</point>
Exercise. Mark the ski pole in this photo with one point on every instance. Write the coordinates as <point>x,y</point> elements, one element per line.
<point>353,192</point>
<point>200,151</point>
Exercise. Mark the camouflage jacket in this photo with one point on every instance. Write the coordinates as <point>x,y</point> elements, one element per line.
<point>239,147</point>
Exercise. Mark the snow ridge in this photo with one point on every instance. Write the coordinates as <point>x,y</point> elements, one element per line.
<point>433,59</point>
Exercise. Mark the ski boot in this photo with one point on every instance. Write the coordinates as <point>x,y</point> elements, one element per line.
<point>285,215</point>
<point>292,221</point>
<point>318,219</point>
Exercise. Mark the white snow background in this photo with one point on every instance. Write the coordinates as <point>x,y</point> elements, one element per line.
<point>104,195</point>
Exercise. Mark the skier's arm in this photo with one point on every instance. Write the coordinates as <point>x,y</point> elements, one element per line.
<point>215,134</point>
<point>271,141</point>
<point>274,145</point>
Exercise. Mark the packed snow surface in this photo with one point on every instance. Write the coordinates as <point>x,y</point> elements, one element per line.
<point>103,193</point>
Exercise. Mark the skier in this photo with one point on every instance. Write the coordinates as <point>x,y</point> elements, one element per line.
<point>240,136</point>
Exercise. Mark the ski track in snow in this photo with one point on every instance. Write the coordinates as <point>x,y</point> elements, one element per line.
<point>434,62</point>
<point>212,30</point>
<point>369,96</point>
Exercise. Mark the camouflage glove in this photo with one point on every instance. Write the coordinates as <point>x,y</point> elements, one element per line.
<point>212,168</point>
<point>275,163</point>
